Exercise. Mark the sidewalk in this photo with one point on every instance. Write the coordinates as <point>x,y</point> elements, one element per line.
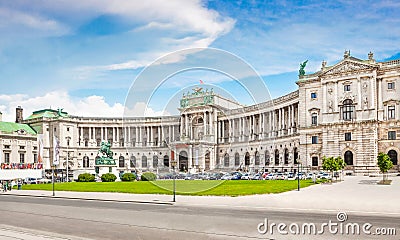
<point>357,194</point>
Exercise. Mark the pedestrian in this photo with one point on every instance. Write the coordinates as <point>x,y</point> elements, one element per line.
<point>5,186</point>
<point>1,186</point>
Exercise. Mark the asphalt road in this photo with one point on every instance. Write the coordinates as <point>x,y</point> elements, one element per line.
<point>118,220</point>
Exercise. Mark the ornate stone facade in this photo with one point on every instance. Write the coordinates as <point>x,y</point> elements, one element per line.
<point>350,109</point>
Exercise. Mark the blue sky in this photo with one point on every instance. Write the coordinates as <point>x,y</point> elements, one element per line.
<point>84,55</point>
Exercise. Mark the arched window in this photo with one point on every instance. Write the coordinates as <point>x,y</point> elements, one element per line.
<point>276,157</point>
<point>155,161</point>
<point>348,110</point>
<point>133,161</point>
<point>267,158</point>
<point>296,156</point>
<point>257,158</point>
<point>247,159</point>
<point>166,161</point>
<point>121,161</point>
<point>237,159</point>
<point>226,160</point>
<point>286,156</point>
<point>348,158</point>
<point>393,156</point>
<point>144,161</point>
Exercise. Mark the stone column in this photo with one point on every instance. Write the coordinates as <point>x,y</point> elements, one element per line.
<point>204,123</point>
<point>137,136</point>
<point>187,125</point>
<point>210,123</point>
<point>289,120</point>
<point>102,133</point>
<point>140,136</point>
<point>159,136</point>
<point>129,137</point>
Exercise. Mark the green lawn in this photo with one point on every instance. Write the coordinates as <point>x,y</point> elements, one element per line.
<point>195,188</point>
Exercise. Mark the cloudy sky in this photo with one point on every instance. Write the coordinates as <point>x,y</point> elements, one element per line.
<point>84,55</point>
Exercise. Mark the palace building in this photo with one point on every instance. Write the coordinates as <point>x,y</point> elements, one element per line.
<point>350,109</point>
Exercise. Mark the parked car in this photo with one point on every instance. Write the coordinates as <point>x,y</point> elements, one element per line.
<point>326,176</point>
<point>300,175</point>
<point>309,175</point>
<point>290,176</point>
<point>270,176</point>
<point>227,177</point>
<point>44,180</point>
<point>257,176</point>
<point>31,181</point>
<point>281,176</point>
<point>236,176</point>
<point>245,176</point>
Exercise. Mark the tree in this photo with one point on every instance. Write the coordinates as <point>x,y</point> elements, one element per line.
<point>384,164</point>
<point>333,164</point>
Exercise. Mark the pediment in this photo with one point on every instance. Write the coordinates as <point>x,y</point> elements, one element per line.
<point>348,66</point>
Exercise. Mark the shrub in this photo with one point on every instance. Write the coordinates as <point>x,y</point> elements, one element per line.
<point>128,177</point>
<point>108,177</point>
<point>85,177</point>
<point>148,176</point>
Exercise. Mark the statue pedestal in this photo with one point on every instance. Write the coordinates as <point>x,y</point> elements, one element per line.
<point>105,165</point>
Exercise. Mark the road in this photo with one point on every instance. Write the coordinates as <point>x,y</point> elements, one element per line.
<point>83,219</point>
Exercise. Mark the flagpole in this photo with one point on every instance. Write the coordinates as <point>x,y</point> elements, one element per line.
<point>52,178</point>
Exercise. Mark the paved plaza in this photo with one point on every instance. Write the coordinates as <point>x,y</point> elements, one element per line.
<point>356,194</point>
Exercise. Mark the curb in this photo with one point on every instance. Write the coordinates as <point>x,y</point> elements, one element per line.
<point>92,199</point>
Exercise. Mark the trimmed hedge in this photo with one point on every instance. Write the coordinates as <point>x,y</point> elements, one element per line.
<point>128,177</point>
<point>148,176</point>
<point>108,177</point>
<point>85,177</point>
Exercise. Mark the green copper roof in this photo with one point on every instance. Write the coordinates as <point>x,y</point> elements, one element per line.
<point>48,113</point>
<point>10,127</point>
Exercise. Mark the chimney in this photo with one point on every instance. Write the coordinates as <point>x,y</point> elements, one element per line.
<point>19,114</point>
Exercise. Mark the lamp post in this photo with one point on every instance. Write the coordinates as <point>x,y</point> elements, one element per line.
<point>173,165</point>
<point>68,139</point>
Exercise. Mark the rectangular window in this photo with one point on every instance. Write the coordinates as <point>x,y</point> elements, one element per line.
<point>347,136</point>
<point>35,159</point>
<point>22,158</point>
<point>21,147</point>
<point>314,161</point>
<point>391,112</point>
<point>313,95</point>
<point>314,139</point>
<point>67,129</point>
<point>314,119</point>
<point>7,158</point>
<point>392,135</point>
<point>346,88</point>
<point>390,85</point>
<point>7,146</point>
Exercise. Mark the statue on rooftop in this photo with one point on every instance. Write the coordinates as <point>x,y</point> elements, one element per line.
<point>302,66</point>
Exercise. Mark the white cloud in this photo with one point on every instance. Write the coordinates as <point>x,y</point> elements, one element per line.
<point>17,20</point>
<point>91,106</point>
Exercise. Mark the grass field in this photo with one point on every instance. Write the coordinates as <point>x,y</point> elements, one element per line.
<point>195,188</point>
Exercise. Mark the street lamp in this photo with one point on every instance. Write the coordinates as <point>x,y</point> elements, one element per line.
<point>173,165</point>
<point>68,139</point>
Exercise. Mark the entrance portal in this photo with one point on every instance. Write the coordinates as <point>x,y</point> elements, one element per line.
<point>183,161</point>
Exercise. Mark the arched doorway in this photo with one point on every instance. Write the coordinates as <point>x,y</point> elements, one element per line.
<point>237,159</point>
<point>121,161</point>
<point>183,161</point>
<point>133,161</point>
<point>296,156</point>
<point>276,157</point>
<point>257,159</point>
<point>155,161</point>
<point>286,156</point>
<point>166,161</point>
<point>247,159</point>
<point>393,156</point>
<point>348,158</point>
<point>207,161</point>
<point>226,160</point>
<point>266,158</point>
<point>144,161</point>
